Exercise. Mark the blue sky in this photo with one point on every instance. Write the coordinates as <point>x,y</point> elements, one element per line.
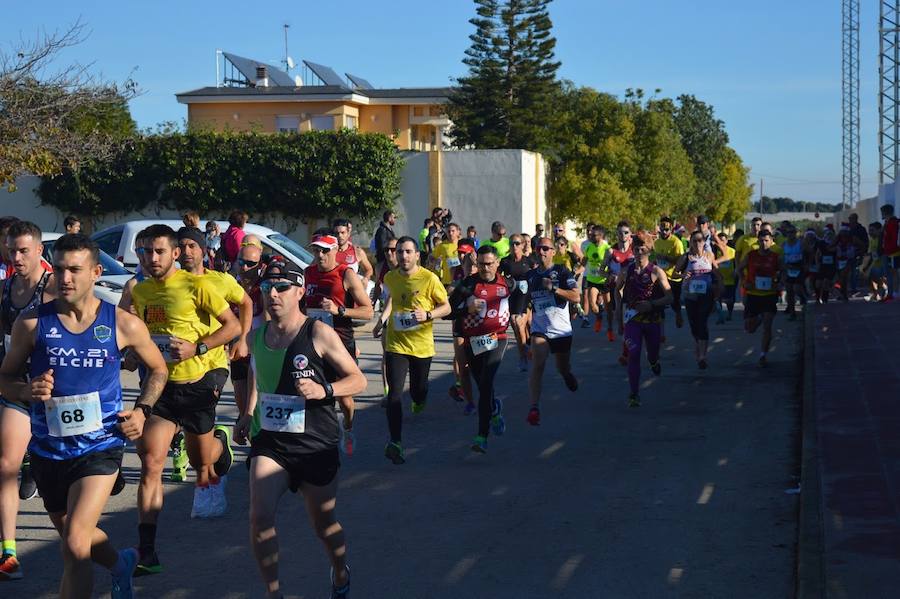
<point>771,69</point>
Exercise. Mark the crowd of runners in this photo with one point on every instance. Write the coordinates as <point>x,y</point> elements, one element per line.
<point>204,306</point>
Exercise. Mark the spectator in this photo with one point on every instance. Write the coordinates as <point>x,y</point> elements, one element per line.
<point>191,219</point>
<point>890,250</point>
<point>472,234</point>
<point>499,239</point>
<point>72,224</point>
<point>861,237</point>
<point>213,244</point>
<point>234,235</point>
<point>538,234</point>
<point>424,237</point>
<point>5,267</point>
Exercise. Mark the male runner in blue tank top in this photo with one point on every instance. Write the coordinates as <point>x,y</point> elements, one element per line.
<point>298,366</point>
<point>78,422</point>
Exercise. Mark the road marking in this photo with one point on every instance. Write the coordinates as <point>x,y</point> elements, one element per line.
<point>675,575</point>
<point>723,461</point>
<point>565,572</point>
<point>460,569</point>
<point>552,449</point>
<point>707,492</point>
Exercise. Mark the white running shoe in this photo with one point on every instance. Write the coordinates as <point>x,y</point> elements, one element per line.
<point>202,499</point>
<point>218,504</point>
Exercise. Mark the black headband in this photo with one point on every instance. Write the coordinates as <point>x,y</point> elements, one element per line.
<point>294,276</point>
<point>194,234</point>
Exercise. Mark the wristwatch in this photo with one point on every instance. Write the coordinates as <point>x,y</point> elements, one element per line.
<point>428,316</point>
<point>143,408</point>
<point>341,310</point>
<point>201,348</point>
<point>329,391</point>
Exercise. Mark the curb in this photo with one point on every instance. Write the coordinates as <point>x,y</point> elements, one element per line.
<point>810,530</point>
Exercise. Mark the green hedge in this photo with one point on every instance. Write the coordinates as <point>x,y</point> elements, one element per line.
<point>300,177</point>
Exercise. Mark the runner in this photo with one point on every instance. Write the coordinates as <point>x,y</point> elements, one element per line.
<point>890,250</point>
<point>417,298</point>
<point>793,270</point>
<point>810,264</point>
<point>747,243</point>
<point>249,270</point>
<point>527,246</point>
<point>667,250</point>
<point>461,389</point>
<point>725,262</point>
<point>445,256</point>
<point>347,253</point>
<point>848,249</point>
<point>498,239</point>
<point>6,268</point>
<point>826,265</point>
<point>27,287</point>
<point>299,367</point>
<point>761,272</point>
<point>517,266</point>
<point>703,288</point>
<point>617,259</point>
<point>179,309</point>
<point>390,254</point>
<point>872,266</point>
<point>550,289</point>
<point>570,260</point>
<point>536,238</point>
<point>481,306</point>
<point>643,292</point>
<point>77,421</point>
<point>336,295</point>
<point>383,234</point>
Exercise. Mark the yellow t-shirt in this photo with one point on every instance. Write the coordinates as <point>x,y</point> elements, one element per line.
<point>182,306</point>
<point>745,245</point>
<point>422,289</point>
<point>727,266</point>
<point>447,252</point>
<point>233,293</point>
<point>668,247</point>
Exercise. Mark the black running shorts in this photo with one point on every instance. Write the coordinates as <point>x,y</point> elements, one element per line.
<point>54,477</point>
<point>192,405</point>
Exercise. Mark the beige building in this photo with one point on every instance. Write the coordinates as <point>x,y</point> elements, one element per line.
<point>257,96</point>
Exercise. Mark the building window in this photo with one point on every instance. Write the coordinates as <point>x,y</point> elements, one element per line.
<point>418,111</point>
<point>321,123</point>
<point>351,122</point>
<point>287,124</point>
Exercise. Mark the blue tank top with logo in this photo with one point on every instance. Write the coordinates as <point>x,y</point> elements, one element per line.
<point>81,416</point>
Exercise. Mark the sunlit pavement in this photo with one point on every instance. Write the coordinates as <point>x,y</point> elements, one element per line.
<point>682,497</point>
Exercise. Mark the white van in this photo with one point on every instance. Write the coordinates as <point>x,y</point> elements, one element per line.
<point>118,241</point>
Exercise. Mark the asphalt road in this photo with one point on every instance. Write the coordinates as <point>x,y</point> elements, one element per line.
<point>682,497</point>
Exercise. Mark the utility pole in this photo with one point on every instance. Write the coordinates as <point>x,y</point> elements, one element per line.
<point>762,208</point>
<point>850,101</point>
<point>287,66</point>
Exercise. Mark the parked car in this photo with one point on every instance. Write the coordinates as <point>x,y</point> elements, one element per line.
<point>110,284</point>
<point>118,241</point>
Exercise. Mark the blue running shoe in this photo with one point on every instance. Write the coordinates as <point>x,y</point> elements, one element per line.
<point>470,408</point>
<point>121,581</point>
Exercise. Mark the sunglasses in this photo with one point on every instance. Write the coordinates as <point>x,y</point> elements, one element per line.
<point>624,232</point>
<point>250,263</point>
<point>666,230</point>
<point>545,248</point>
<point>516,242</point>
<point>389,249</point>
<point>278,286</point>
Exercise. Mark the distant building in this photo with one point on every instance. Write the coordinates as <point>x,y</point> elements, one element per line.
<point>254,95</point>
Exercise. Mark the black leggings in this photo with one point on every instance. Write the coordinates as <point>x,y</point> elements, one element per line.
<point>698,310</point>
<point>395,367</point>
<point>676,295</point>
<point>484,369</point>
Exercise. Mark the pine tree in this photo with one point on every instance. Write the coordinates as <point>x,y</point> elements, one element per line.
<point>506,99</point>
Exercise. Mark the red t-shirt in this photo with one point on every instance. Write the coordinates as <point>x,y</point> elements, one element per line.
<point>493,317</point>
<point>329,285</point>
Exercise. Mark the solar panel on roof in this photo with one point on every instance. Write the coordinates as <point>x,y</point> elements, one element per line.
<point>326,74</point>
<point>359,82</point>
<point>247,68</point>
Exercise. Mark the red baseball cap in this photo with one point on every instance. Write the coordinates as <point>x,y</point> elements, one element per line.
<point>328,242</point>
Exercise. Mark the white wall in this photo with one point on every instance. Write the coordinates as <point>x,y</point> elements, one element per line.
<point>412,206</point>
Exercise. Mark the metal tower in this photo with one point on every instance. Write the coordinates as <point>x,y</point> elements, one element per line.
<point>888,97</point>
<point>850,99</point>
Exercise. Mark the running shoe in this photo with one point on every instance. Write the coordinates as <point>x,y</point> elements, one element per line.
<point>223,464</point>
<point>394,453</point>
<point>634,401</point>
<point>218,503</point>
<point>679,320</point>
<point>498,423</point>
<point>348,442</point>
<point>119,485</point>
<point>202,500</point>
<point>702,364</point>
<point>179,459</point>
<point>148,564</point>
<point>342,592</point>
<point>584,323</point>
<point>121,581</point>
<point>456,392</point>
<point>610,335</point>
<point>10,569</point>
<point>598,325</point>
<point>656,367</point>
<point>418,407</point>
<point>27,486</point>
<point>523,364</point>
<point>571,382</point>
<point>534,416</point>
<point>470,408</point>
<point>479,445</point>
